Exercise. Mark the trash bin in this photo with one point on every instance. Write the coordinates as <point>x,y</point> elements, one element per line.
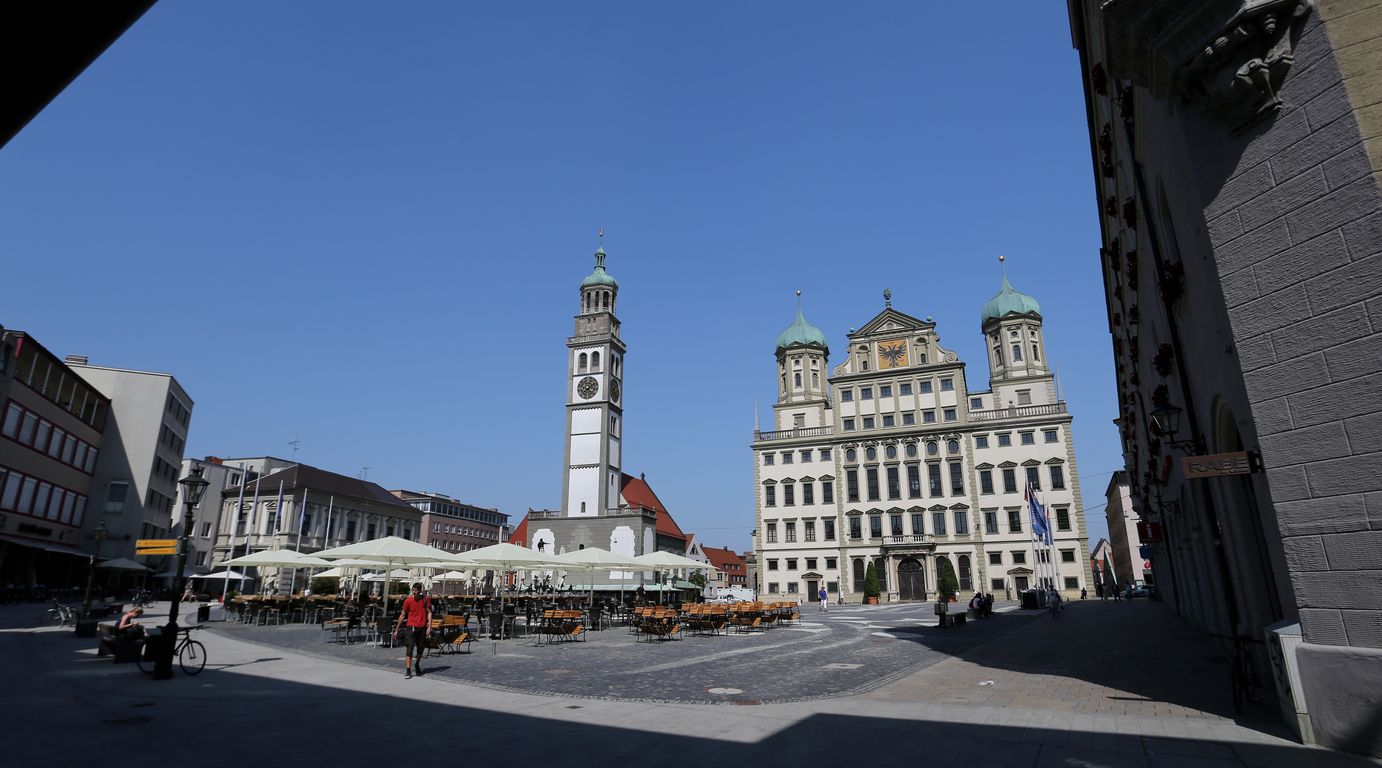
<point>203,613</point>
<point>1029,600</point>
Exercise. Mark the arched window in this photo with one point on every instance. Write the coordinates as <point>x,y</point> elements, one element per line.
<point>1017,353</point>
<point>1035,356</point>
<point>998,355</point>
<point>594,361</point>
<point>953,446</point>
<point>815,379</point>
<point>966,581</point>
<point>796,377</point>
<point>580,366</point>
<point>858,573</point>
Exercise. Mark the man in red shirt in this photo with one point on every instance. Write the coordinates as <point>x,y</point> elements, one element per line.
<point>417,612</point>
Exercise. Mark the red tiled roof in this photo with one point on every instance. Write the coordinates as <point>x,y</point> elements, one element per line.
<point>721,557</point>
<point>638,493</point>
<point>520,533</point>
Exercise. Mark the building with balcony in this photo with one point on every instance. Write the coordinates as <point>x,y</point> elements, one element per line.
<point>891,458</point>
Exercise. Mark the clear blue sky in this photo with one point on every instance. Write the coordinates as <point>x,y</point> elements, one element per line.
<point>363,225</point>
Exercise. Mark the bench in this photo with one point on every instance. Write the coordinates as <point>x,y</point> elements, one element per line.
<point>951,614</point>
<point>111,644</point>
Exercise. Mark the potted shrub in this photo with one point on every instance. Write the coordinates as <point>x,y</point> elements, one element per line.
<point>872,589</point>
<point>949,585</point>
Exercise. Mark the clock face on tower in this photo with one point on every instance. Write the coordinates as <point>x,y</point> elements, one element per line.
<point>614,390</point>
<point>587,387</point>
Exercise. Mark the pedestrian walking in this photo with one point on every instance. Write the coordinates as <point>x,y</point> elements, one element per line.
<point>823,597</point>
<point>417,613</point>
<point>1083,593</point>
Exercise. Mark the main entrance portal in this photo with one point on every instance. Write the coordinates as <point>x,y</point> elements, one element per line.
<point>911,580</point>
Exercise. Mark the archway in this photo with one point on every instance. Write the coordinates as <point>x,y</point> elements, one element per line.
<point>911,580</point>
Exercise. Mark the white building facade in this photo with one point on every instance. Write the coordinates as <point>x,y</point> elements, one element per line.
<point>891,459</point>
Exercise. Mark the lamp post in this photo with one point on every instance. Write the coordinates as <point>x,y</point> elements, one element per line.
<point>99,535</point>
<point>193,486</point>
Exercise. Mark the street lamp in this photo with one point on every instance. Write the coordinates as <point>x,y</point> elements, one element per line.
<point>193,486</point>
<point>99,535</point>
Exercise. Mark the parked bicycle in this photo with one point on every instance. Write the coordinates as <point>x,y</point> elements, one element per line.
<point>141,598</point>
<point>1242,674</point>
<point>190,653</point>
<point>61,613</point>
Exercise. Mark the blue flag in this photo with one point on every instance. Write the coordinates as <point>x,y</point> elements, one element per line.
<point>1041,528</point>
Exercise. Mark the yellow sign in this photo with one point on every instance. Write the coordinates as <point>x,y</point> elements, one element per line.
<point>155,543</point>
<point>159,551</point>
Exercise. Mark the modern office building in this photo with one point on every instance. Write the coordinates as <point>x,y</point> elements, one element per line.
<point>892,459</point>
<point>142,453</point>
<point>1236,168</point>
<point>53,431</point>
<point>454,525</point>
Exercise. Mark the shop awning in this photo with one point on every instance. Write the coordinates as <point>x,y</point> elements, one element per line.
<point>50,546</point>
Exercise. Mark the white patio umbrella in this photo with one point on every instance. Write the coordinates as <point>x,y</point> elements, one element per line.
<point>389,551</point>
<point>397,574</point>
<point>278,558</point>
<point>226,574</point>
<point>507,557</point>
<point>122,564</point>
<point>592,559</point>
<point>666,561</point>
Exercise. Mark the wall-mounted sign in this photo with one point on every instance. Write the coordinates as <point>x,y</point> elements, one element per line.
<point>1149,533</point>
<point>1217,465</point>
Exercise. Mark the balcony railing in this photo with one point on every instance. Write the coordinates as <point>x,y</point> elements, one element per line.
<point>787,434</point>
<point>912,538</point>
<point>1018,412</point>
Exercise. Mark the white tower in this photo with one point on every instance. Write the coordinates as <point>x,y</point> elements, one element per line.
<point>594,398</point>
<point>802,396</point>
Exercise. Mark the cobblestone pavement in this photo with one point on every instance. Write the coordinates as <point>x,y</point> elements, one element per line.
<point>846,650</point>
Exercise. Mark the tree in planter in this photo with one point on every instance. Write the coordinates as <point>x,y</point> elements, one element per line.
<point>949,585</point>
<point>872,588</point>
<point>698,579</point>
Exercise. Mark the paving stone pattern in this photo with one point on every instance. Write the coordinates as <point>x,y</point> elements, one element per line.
<point>847,650</point>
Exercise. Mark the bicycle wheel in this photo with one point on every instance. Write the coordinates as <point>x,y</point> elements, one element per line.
<point>146,664</point>
<point>192,657</point>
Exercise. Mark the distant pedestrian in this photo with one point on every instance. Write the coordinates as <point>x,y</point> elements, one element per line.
<point>1084,593</point>
<point>823,597</point>
<point>417,612</point>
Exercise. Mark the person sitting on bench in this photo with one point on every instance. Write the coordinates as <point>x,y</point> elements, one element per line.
<point>129,628</point>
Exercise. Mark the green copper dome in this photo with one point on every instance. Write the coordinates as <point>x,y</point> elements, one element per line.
<point>599,276</point>
<point>1009,301</point>
<point>801,334</point>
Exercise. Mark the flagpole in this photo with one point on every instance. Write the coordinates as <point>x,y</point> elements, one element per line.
<point>297,545</point>
<point>234,524</point>
<point>330,507</point>
<point>254,521</point>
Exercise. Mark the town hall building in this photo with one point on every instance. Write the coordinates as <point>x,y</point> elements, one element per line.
<point>890,458</point>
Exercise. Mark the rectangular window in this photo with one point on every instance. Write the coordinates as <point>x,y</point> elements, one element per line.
<point>1057,478</point>
<point>791,533</point>
<point>1004,439</point>
<point>827,492</point>
<point>847,395</point>
<point>896,522</point>
<point>825,454</point>
<point>786,457</point>
<point>13,416</point>
<point>772,586</point>
<point>811,563</point>
<point>951,415</point>
<point>1024,397</point>
<point>1049,435</point>
<point>831,563</point>
<point>995,558</point>
<point>933,474</point>
<point>928,417</point>
<point>810,530</point>
<point>1009,480</point>
<point>1015,521</point>
<point>990,521</point>
<point>770,496</point>
<point>871,476</point>
<point>789,495</point>
<point>791,588</point>
<point>26,496</point>
<point>1067,555</point>
<point>849,425</point>
<point>985,481</point>
<point>868,422</point>
<point>885,390</point>
<point>957,479</point>
<point>981,441</point>
<point>996,585</point>
<point>772,533</point>
<point>905,388</point>
<point>808,493</point>
<point>1072,582</point>
<point>875,526</point>
<point>854,532</point>
<point>44,431</point>
<point>1062,519</point>
<point>1034,478</point>
<point>27,428</point>
<point>925,387</point>
<point>918,524</point>
<point>866,393</point>
<point>888,420</point>
<point>894,487</point>
<point>913,481</point>
<point>1028,438</point>
<point>1019,558</point>
<point>938,523</point>
<point>976,403</point>
<point>829,530</point>
<point>206,530</point>
<point>908,419</point>
<point>947,385</point>
<point>852,484</point>
<point>961,522</point>
<point>806,456</point>
<point>768,459</point>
